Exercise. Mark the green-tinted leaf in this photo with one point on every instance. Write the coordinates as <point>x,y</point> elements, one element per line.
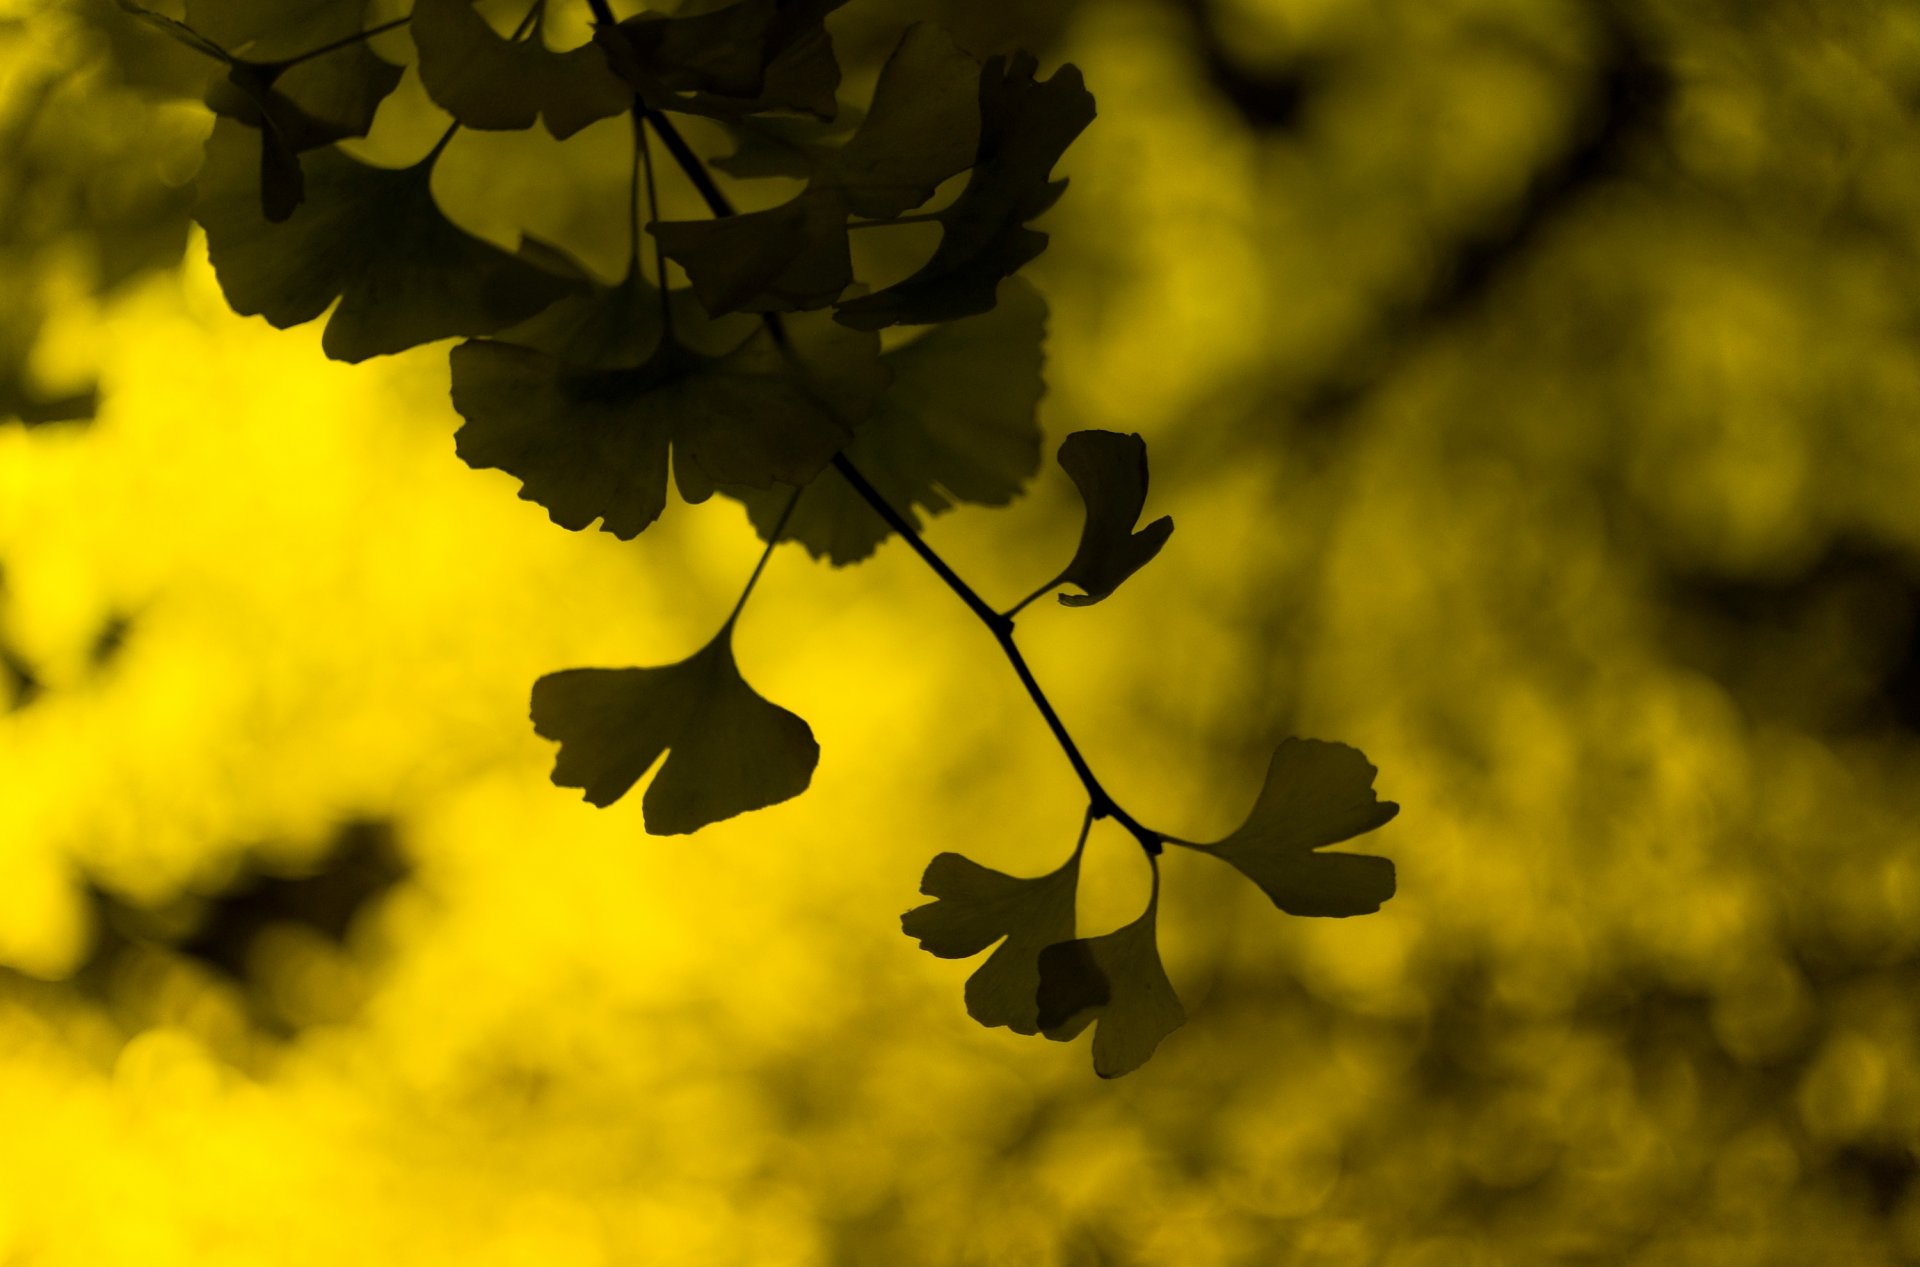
<point>976,906</point>
<point>1316,794</point>
<point>729,750</point>
<point>745,58</point>
<point>299,108</point>
<point>1025,126</point>
<point>594,443</point>
<point>275,30</point>
<point>1110,470</point>
<point>489,81</point>
<point>958,424</point>
<point>1117,980</point>
<point>371,237</point>
<point>783,145</point>
<point>922,128</point>
<point>789,258</point>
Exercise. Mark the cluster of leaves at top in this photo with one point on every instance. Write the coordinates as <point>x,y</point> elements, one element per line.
<point>763,379</point>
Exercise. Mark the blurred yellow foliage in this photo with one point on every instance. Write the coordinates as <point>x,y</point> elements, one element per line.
<point>1547,544</point>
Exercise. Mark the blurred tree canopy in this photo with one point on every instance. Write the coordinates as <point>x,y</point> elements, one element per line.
<point>1534,387</point>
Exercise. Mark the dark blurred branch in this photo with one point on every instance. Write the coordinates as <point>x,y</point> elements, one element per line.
<point>1625,102</point>
<point>1266,100</point>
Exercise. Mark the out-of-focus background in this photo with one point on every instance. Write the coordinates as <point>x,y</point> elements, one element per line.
<point>1536,388</point>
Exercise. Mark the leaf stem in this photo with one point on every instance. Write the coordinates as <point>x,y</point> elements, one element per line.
<point>645,145</point>
<point>1100,805</point>
<point>345,41</point>
<point>773,539</point>
<point>1020,606</point>
<point>928,218</point>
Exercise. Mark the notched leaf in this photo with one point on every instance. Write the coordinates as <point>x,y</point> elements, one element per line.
<point>922,128</point>
<point>959,423</point>
<point>494,82</point>
<point>1116,981</point>
<point>1316,794</point>
<point>729,750</point>
<point>1110,470</point>
<point>788,258</point>
<point>1025,126</point>
<point>743,59</point>
<point>976,906</point>
<point>589,442</point>
<point>296,104</point>
<point>371,237</point>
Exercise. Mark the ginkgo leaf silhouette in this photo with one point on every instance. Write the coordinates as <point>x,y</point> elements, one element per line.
<point>976,906</point>
<point>923,127</point>
<point>788,258</point>
<point>371,237</point>
<point>1025,126</point>
<point>1110,470</point>
<point>729,750</point>
<point>595,443</point>
<point>1316,794</point>
<point>745,58</point>
<point>296,104</point>
<point>959,423</point>
<point>497,83</point>
<point>1116,980</point>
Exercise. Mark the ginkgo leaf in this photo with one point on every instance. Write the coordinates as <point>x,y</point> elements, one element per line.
<point>1110,470</point>
<point>923,127</point>
<point>729,750</point>
<point>959,423</point>
<point>295,105</point>
<point>1117,981</point>
<point>1316,794</point>
<point>1025,126</point>
<point>976,906</point>
<point>788,258</point>
<point>594,443</point>
<point>742,59</point>
<point>783,145</point>
<point>371,237</point>
<point>495,83</point>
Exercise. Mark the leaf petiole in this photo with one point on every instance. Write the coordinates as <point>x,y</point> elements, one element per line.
<point>346,41</point>
<point>773,539</point>
<point>928,218</point>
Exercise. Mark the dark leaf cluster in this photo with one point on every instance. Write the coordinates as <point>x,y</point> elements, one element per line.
<point>762,378</point>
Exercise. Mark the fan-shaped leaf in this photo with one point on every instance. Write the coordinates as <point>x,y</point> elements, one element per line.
<point>1316,794</point>
<point>742,59</point>
<point>593,443</point>
<point>958,424</point>
<point>922,128</point>
<point>785,259</point>
<point>729,750</point>
<point>495,83</point>
<point>1025,126</point>
<point>373,238</point>
<point>296,105</point>
<point>1118,981</point>
<point>976,906</point>
<point>1110,470</point>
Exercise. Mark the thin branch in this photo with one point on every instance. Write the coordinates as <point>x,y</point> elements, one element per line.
<point>1101,804</point>
<point>773,539</point>
<point>346,41</point>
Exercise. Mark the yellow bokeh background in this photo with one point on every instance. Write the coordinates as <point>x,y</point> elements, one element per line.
<point>1555,546</point>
